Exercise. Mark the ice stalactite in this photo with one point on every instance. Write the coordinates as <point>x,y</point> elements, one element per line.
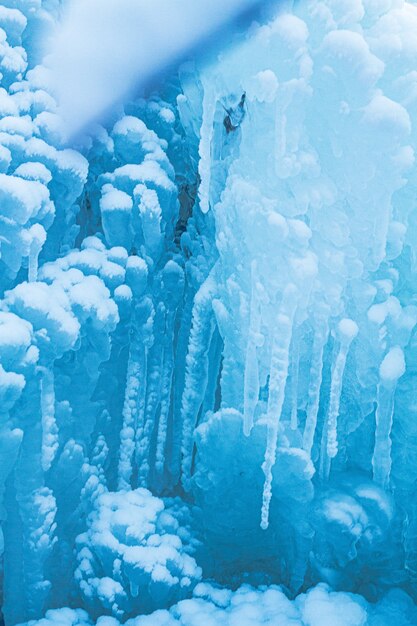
<point>18,357</point>
<point>172,284</point>
<point>141,338</point>
<point>205,147</point>
<point>390,370</point>
<point>321,331</point>
<point>165,400</point>
<point>277,380</point>
<point>34,519</point>
<point>50,442</point>
<point>39,511</point>
<point>295,365</point>
<point>213,398</point>
<point>145,320</point>
<point>145,449</point>
<point>93,478</point>
<point>251,382</point>
<point>150,214</point>
<point>196,370</point>
<point>132,409</point>
<point>10,442</point>
<point>67,480</point>
<point>347,330</point>
<point>174,453</point>
<point>38,235</point>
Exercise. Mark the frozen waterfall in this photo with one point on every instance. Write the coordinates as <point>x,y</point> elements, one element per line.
<point>208,325</point>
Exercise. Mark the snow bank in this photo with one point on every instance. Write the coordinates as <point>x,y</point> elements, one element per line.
<point>268,605</point>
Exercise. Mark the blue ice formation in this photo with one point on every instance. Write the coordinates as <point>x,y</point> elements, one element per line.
<point>211,605</point>
<point>208,347</point>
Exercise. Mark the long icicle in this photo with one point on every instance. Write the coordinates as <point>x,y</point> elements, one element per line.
<point>134,384</point>
<point>196,370</point>
<point>277,381</point>
<point>295,364</point>
<point>134,400</point>
<point>316,376</point>
<point>173,288</point>
<point>166,388</point>
<point>251,382</point>
<point>174,450</point>
<point>38,239</point>
<point>205,146</point>
<point>347,330</point>
<point>391,369</point>
<point>153,394</point>
<point>50,441</point>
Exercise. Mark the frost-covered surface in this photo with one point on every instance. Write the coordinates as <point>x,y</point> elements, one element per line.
<point>208,332</point>
<point>267,605</point>
<point>135,555</point>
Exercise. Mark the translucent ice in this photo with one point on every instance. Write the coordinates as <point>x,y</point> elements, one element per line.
<point>208,312</point>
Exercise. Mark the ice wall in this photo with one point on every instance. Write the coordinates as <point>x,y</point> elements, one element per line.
<point>207,331</point>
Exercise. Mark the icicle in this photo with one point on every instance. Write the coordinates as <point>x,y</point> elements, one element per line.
<point>212,396</point>
<point>294,383</point>
<point>50,441</point>
<point>251,387</point>
<point>347,330</point>
<point>196,369</point>
<point>146,321</point>
<point>277,381</point>
<point>206,134</point>
<point>94,476</point>
<point>38,235</point>
<point>38,511</point>
<point>35,524</point>
<point>172,285</point>
<point>135,382</point>
<point>33,265</point>
<point>316,376</point>
<point>134,400</point>
<point>166,387</point>
<point>390,370</point>
<point>153,394</point>
<point>100,453</point>
<point>251,382</point>
<point>174,451</point>
<point>410,541</point>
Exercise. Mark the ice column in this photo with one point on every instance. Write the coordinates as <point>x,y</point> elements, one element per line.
<point>206,134</point>
<point>277,381</point>
<point>316,376</point>
<point>251,383</point>
<point>153,394</point>
<point>347,331</point>
<point>173,288</point>
<point>294,381</point>
<point>135,386</point>
<point>196,369</point>
<point>390,370</point>
<point>165,399</point>
<point>134,400</point>
<point>50,441</point>
<point>38,238</point>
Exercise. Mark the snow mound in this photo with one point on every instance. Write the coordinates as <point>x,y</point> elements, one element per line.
<point>134,557</point>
